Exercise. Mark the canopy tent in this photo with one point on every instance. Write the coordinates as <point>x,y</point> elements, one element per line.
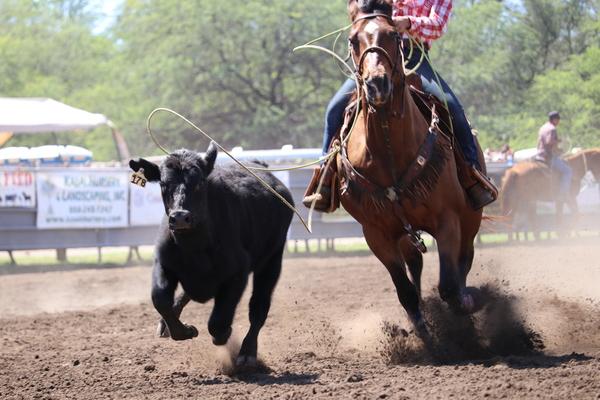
<point>39,115</point>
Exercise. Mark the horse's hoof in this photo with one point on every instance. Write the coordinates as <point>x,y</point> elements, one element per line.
<point>162,330</point>
<point>246,362</point>
<point>419,325</point>
<point>473,300</point>
<point>467,303</point>
<point>421,330</point>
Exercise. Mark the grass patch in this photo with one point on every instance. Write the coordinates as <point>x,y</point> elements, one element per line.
<point>110,256</point>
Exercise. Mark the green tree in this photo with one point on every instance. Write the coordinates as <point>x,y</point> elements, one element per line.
<point>231,68</point>
<point>48,50</point>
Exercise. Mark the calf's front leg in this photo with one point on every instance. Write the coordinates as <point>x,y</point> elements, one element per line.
<point>163,294</point>
<point>182,300</point>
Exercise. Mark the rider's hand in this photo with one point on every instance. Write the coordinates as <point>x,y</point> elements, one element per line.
<point>402,23</point>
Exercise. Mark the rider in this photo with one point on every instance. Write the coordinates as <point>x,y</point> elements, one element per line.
<point>547,151</point>
<point>426,22</point>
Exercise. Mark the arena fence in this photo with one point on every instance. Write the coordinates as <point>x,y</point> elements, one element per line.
<point>82,207</point>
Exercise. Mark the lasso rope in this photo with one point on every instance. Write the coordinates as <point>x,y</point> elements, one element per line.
<point>250,169</point>
<point>261,180</point>
<point>333,152</point>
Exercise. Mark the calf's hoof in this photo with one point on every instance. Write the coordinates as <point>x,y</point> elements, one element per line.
<point>162,330</point>
<point>246,362</point>
<point>221,340</point>
<point>188,332</point>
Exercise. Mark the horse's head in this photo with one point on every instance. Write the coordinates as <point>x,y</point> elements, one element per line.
<point>375,48</point>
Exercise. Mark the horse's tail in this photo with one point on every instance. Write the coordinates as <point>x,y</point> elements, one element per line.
<point>509,192</point>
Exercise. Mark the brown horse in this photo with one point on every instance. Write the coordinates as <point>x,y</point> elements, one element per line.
<point>377,164</point>
<point>528,182</point>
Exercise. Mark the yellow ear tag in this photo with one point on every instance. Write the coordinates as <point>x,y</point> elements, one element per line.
<point>138,178</point>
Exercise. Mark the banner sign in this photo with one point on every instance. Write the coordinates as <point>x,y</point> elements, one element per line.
<point>82,199</point>
<point>146,205</point>
<point>17,188</point>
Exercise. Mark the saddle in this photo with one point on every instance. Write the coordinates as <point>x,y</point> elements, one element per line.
<point>428,105</point>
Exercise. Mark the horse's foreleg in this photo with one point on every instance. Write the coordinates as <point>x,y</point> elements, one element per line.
<point>414,260</point>
<point>454,259</point>
<point>388,251</point>
<point>532,219</point>
<point>574,220</point>
<point>560,228</point>
<point>467,254</point>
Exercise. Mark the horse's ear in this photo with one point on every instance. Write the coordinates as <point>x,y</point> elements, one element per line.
<point>210,157</point>
<point>352,9</point>
<point>151,170</point>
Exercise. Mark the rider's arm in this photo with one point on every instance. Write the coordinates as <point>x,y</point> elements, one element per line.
<point>550,140</point>
<point>432,26</point>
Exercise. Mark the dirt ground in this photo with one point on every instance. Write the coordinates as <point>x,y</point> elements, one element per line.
<point>334,331</point>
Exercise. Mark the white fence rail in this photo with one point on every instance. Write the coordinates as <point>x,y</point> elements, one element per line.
<point>60,208</point>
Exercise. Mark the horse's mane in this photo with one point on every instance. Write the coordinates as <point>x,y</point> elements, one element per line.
<point>371,6</point>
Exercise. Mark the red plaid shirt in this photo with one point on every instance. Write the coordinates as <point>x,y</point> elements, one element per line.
<point>428,18</point>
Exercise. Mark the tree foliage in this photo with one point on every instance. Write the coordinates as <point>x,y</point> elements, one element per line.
<point>230,67</point>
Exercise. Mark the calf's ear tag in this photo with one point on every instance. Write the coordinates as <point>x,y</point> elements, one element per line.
<point>138,178</point>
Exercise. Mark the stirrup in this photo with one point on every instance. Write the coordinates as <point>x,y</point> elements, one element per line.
<point>321,199</point>
<point>483,192</point>
<point>326,199</point>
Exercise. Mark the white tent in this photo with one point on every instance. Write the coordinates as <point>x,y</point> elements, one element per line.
<point>23,115</point>
<point>38,115</point>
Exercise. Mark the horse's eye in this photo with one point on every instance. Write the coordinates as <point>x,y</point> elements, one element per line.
<point>353,41</point>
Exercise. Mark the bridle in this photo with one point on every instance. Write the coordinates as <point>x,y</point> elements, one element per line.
<point>358,67</point>
<point>396,191</point>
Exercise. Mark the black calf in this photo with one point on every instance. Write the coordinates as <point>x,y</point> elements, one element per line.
<point>221,224</point>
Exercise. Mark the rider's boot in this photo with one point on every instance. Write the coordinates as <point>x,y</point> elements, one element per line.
<point>482,191</point>
<point>323,197</point>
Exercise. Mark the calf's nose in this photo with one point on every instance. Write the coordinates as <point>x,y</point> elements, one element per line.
<point>180,219</point>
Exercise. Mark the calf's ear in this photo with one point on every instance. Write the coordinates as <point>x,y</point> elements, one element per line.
<point>210,157</point>
<point>151,170</point>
